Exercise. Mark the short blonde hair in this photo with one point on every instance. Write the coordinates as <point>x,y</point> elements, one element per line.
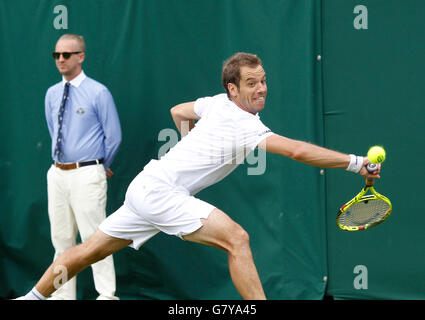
<point>79,39</point>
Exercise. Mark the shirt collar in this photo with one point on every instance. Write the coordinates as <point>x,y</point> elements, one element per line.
<point>76,81</point>
<point>242,110</point>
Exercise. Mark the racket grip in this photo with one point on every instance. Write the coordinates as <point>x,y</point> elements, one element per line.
<point>371,167</point>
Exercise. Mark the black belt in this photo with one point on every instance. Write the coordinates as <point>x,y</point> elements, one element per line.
<point>75,165</point>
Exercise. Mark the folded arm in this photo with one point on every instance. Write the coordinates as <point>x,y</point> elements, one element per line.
<point>184,116</point>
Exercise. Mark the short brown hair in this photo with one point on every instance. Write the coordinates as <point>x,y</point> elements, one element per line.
<point>232,66</point>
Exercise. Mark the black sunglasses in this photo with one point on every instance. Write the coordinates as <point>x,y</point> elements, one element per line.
<point>65,55</point>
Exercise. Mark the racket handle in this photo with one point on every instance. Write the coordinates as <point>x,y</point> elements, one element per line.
<point>371,167</point>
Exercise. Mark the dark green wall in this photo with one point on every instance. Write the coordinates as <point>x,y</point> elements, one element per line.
<point>374,87</point>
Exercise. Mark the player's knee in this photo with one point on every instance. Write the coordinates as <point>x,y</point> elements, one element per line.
<point>239,238</point>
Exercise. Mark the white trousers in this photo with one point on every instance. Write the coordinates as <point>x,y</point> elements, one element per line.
<point>77,203</point>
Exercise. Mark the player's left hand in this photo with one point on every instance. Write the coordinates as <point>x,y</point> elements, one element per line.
<point>365,173</point>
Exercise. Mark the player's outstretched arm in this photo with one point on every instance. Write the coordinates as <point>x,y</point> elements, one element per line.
<point>310,154</point>
<point>184,112</point>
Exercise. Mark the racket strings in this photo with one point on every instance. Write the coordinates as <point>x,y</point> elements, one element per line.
<point>365,212</point>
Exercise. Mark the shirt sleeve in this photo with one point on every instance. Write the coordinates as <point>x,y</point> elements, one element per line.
<point>253,131</point>
<point>48,113</point>
<point>202,106</point>
<point>108,117</point>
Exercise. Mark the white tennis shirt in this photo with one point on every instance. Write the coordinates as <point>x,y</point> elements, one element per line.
<point>219,142</point>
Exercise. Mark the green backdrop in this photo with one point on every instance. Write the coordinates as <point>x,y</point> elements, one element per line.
<point>374,87</point>
<point>153,54</point>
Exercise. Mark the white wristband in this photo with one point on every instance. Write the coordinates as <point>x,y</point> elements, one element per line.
<point>356,163</point>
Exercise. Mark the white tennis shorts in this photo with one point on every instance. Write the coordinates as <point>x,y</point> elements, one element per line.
<point>152,205</point>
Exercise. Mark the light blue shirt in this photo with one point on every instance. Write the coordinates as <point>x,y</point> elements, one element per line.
<point>91,127</point>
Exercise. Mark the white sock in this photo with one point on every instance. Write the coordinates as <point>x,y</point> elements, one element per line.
<point>34,295</point>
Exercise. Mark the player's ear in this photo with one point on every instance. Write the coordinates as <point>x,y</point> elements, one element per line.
<point>233,89</point>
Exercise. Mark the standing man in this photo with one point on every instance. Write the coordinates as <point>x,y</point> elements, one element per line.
<point>161,197</point>
<point>85,130</point>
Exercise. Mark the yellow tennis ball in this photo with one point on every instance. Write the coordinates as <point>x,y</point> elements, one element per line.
<point>376,154</point>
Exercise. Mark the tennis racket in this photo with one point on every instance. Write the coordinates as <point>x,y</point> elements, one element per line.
<point>364,211</point>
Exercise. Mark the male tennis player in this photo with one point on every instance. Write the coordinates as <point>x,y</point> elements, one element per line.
<point>161,197</point>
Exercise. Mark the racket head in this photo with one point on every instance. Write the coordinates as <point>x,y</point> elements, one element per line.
<point>364,212</point>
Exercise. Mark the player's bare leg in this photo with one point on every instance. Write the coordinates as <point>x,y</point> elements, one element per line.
<point>219,230</point>
<point>77,258</point>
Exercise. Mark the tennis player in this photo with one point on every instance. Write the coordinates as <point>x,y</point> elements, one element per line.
<point>162,196</point>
